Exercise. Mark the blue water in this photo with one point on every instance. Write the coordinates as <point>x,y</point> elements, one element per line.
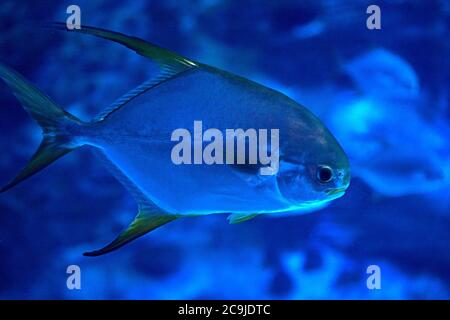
<point>383,93</point>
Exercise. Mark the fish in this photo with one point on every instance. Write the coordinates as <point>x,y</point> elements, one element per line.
<point>134,139</point>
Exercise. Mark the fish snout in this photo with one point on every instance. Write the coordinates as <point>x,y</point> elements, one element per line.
<point>341,184</point>
<point>343,178</point>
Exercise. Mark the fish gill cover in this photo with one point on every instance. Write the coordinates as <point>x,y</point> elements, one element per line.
<point>382,93</point>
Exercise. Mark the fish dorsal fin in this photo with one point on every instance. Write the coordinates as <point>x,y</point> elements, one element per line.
<point>148,218</point>
<point>164,75</point>
<point>240,217</point>
<point>161,55</point>
<point>171,63</point>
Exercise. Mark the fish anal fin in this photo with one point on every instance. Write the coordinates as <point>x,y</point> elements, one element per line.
<point>149,216</point>
<point>144,203</point>
<point>146,220</point>
<point>235,218</point>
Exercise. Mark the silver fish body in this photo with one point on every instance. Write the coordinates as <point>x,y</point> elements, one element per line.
<point>134,137</point>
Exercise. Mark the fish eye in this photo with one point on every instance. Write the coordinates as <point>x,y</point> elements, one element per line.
<point>324,174</point>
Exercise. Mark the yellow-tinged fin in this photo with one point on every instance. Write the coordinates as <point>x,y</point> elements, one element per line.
<point>53,120</point>
<point>48,152</point>
<point>161,55</point>
<point>240,217</point>
<point>149,216</point>
<point>171,63</point>
<point>147,219</point>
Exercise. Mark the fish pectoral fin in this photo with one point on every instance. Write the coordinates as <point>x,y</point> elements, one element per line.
<point>240,217</point>
<point>146,220</point>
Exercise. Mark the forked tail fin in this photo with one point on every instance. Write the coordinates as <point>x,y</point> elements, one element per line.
<point>55,123</point>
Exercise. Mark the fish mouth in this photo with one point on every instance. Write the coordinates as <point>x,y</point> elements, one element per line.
<point>336,192</point>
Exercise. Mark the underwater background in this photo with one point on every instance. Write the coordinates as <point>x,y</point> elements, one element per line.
<point>383,93</point>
